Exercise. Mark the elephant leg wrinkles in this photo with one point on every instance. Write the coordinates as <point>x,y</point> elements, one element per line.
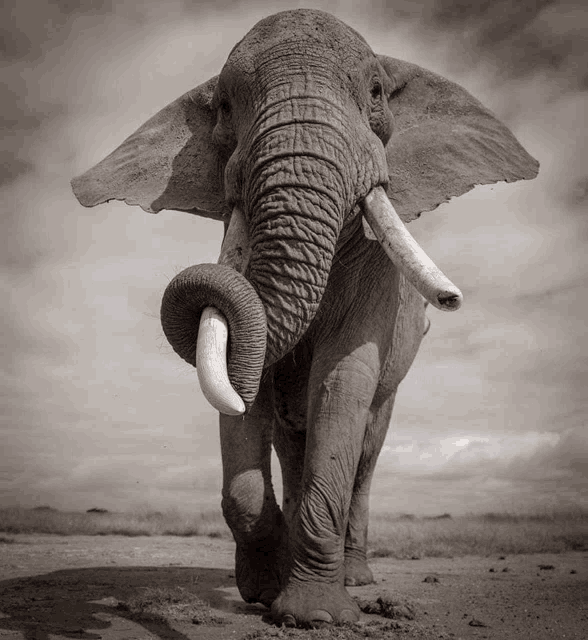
<point>357,571</point>
<point>341,389</point>
<point>249,504</point>
<point>291,386</point>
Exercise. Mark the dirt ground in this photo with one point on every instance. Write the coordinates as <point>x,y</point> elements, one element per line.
<point>81,587</point>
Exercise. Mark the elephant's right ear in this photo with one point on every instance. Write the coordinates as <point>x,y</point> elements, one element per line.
<point>444,142</point>
<point>170,162</point>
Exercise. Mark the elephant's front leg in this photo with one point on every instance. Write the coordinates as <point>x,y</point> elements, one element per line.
<point>340,394</point>
<point>249,504</point>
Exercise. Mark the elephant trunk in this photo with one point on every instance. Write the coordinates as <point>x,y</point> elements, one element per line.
<point>291,254</point>
<point>302,180</point>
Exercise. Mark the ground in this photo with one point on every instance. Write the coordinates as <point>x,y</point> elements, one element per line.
<point>177,588</point>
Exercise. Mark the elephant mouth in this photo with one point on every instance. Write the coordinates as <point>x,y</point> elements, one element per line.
<point>389,231</point>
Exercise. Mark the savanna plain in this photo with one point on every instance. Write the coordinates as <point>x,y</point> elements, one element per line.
<point>168,575</point>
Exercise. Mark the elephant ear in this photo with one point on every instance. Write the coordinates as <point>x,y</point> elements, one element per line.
<point>168,163</point>
<point>444,142</point>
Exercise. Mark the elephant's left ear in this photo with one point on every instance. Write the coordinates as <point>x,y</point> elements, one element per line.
<point>444,142</point>
<point>169,163</point>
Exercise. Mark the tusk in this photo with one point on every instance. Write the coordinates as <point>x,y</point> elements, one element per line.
<point>406,254</point>
<point>211,364</point>
<point>213,334</point>
<point>235,250</point>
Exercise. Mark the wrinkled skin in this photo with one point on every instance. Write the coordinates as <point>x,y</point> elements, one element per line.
<point>303,121</point>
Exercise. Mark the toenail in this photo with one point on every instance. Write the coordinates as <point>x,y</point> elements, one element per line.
<point>348,616</point>
<point>319,615</point>
<point>289,620</point>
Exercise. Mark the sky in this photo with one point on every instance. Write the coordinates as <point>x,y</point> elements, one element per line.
<point>97,411</point>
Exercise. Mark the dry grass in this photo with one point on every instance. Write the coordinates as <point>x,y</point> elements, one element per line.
<point>403,536</point>
<point>492,533</point>
<point>139,523</point>
<point>168,605</point>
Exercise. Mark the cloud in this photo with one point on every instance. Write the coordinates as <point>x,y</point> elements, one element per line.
<point>463,473</point>
<point>463,456</point>
<point>523,38</point>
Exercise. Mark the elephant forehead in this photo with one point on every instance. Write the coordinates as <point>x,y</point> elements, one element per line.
<point>299,32</point>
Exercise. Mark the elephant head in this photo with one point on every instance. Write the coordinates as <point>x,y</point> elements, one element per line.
<point>304,130</point>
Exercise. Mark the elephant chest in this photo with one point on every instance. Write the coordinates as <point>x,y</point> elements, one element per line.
<point>380,328</point>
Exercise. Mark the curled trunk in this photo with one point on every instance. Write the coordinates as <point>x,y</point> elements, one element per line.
<point>220,286</point>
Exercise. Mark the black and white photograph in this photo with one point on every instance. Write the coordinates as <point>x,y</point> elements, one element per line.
<point>294,334</point>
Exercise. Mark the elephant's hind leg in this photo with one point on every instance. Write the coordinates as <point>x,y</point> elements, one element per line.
<point>249,505</point>
<point>357,571</point>
<point>406,338</point>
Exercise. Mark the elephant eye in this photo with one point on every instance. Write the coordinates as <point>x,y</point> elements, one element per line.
<point>376,91</point>
<point>223,103</point>
<point>225,107</point>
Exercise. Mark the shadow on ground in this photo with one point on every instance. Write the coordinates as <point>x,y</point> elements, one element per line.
<point>86,603</point>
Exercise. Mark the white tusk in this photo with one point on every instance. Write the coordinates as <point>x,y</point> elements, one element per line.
<point>211,364</point>
<point>236,249</point>
<point>407,255</point>
<point>213,334</point>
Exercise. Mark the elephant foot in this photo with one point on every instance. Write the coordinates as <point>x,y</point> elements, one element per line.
<point>259,569</point>
<point>314,605</point>
<point>357,572</point>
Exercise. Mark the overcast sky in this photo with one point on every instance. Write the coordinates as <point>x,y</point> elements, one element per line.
<point>98,411</point>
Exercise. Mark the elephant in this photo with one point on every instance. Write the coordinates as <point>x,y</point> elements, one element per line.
<point>314,152</point>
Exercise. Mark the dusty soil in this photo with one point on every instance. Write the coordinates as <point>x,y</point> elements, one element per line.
<point>81,587</point>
